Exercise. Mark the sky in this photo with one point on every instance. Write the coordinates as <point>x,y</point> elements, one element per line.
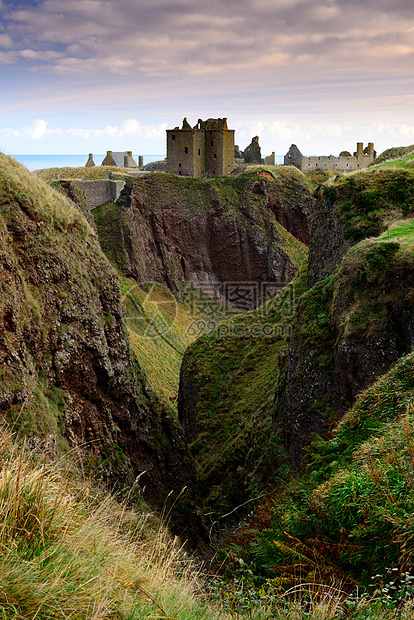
<point>80,76</point>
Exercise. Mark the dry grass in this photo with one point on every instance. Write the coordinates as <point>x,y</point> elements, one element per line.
<point>96,172</point>
<point>69,551</point>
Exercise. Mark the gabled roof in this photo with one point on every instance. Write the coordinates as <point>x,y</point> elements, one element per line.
<point>122,159</point>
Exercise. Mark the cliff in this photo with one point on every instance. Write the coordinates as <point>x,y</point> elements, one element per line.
<point>225,405</point>
<point>184,232</point>
<point>228,375</point>
<point>356,319</point>
<point>245,396</point>
<point>67,369</point>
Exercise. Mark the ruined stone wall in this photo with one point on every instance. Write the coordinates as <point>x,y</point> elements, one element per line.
<point>100,191</point>
<point>228,151</point>
<point>343,164</point>
<point>180,147</point>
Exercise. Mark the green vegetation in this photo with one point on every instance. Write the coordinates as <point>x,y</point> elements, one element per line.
<point>368,201</point>
<point>50,233</point>
<point>395,156</point>
<point>348,516</point>
<point>160,328</point>
<point>317,177</point>
<point>70,551</point>
<point>234,370</point>
<point>96,172</point>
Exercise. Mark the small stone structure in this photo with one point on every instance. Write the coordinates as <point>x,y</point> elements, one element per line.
<point>205,150</point>
<point>122,159</point>
<point>90,163</point>
<point>345,162</point>
<point>99,191</point>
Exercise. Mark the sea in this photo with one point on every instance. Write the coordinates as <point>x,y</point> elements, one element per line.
<point>38,162</point>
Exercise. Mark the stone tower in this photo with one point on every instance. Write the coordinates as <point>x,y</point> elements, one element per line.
<point>205,150</point>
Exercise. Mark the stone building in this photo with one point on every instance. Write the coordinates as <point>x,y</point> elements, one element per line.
<point>122,159</point>
<point>205,150</point>
<point>345,162</point>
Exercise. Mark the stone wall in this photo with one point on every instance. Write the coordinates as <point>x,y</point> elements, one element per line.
<point>100,191</point>
<point>344,163</point>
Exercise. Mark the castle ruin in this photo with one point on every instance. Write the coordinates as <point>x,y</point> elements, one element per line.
<point>344,163</point>
<point>205,150</point>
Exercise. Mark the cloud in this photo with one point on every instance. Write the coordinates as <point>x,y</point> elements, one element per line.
<point>37,130</point>
<point>43,55</point>
<point>131,128</point>
<point>161,38</point>
<point>7,58</point>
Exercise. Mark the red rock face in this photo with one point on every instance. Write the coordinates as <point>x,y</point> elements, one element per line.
<point>212,241</point>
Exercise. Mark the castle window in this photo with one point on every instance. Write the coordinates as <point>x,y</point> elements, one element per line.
<point>215,156</point>
<point>212,143</point>
<point>179,165</point>
<point>173,137</point>
<point>199,151</point>
<point>186,149</point>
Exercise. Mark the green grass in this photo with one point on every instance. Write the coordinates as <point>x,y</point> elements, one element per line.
<point>367,202</point>
<point>234,370</point>
<point>68,173</point>
<point>69,550</point>
<point>160,329</point>
<point>396,156</point>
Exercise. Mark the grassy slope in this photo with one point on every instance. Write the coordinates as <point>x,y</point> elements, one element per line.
<point>238,452</point>
<point>160,328</point>
<point>68,550</point>
<point>348,515</point>
<point>63,237</point>
<point>395,156</point>
<point>96,172</point>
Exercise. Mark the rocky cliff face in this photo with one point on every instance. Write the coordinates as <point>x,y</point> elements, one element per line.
<point>356,319</point>
<point>179,231</point>
<point>66,367</point>
<point>228,376</point>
